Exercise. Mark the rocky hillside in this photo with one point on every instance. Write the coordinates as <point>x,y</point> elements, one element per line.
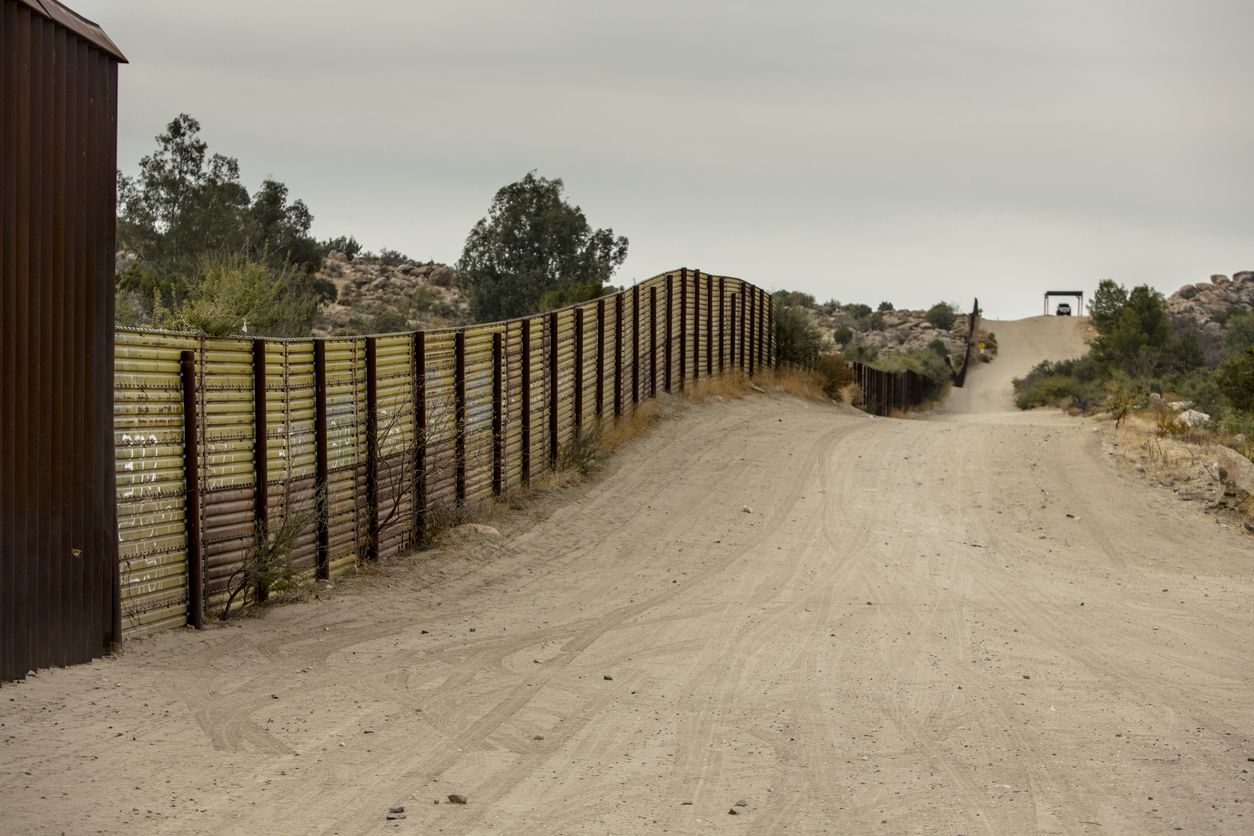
<point>857,330</point>
<point>377,296</point>
<point>1207,305</point>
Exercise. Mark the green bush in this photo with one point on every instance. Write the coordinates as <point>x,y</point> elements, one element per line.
<point>1236,380</point>
<point>885,306</point>
<point>941,315</point>
<point>843,335</point>
<point>570,295</point>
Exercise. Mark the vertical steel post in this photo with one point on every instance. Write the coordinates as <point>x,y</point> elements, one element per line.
<point>498,417</point>
<point>322,482</point>
<point>750,303</point>
<point>709,325</point>
<point>578,393</point>
<point>670,330</point>
<point>524,422</point>
<point>618,355</point>
<point>723,324</point>
<point>372,449</point>
<point>653,341</point>
<point>191,495</point>
<point>770,332</point>
<point>554,367</point>
<point>635,345</point>
<point>683,327</point>
<point>459,416</point>
<point>261,454</point>
<point>420,436</point>
<point>696,325</point>
<point>600,397</point>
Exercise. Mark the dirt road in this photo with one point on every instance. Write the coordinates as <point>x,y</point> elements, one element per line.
<point>968,623</point>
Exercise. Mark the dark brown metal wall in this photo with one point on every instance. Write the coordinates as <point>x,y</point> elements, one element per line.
<point>58,542</point>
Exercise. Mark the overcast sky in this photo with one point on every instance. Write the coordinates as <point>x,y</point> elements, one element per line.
<point>907,150</point>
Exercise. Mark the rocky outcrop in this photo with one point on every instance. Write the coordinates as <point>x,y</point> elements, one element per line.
<point>1208,304</point>
<point>378,295</point>
<point>888,332</point>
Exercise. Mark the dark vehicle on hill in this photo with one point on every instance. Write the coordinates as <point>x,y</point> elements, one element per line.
<point>1064,309</point>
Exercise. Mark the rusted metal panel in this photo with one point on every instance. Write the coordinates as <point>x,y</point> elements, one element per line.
<point>59,596</point>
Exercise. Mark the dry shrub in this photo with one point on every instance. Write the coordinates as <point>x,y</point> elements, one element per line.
<point>836,374</point>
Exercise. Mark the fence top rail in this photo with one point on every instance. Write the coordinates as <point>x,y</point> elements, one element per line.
<point>477,326</point>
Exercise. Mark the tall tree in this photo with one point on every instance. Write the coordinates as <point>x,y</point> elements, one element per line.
<point>532,242</point>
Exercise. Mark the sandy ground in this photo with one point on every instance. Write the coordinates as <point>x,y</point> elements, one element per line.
<point>969,623</point>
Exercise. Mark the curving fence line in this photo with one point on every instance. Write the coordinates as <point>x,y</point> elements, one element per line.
<point>354,447</point>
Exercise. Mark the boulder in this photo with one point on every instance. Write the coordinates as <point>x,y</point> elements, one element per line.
<point>1187,292</point>
<point>1193,418</point>
<point>1235,471</point>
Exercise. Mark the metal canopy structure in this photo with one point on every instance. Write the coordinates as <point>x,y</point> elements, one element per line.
<point>1078,294</point>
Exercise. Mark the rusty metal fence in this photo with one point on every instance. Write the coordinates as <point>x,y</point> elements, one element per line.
<point>359,444</point>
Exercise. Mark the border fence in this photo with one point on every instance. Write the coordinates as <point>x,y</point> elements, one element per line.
<point>353,447</point>
<point>886,392</point>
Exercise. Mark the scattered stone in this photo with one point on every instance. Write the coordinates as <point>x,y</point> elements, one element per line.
<point>689,803</point>
<point>733,812</point>
<point>395,816</point>
<point>742,803</point>
<point>538,737</point>
<point>457,798</point>
<point>1193,418</point>
<point>746,509</point>
<point>608,678</point>
<point>1027,676</point>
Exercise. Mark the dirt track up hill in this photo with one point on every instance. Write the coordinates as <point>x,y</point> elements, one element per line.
<point>965,624</point>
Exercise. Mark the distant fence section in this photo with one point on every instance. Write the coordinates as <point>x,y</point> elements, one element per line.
<point>362,442</point>
<point>973,321</point>
<point>885,392</point>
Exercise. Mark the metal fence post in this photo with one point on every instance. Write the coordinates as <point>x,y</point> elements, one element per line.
<point>750,303</point>
<point>668,346</point>
<point>498,417</point>
<point>459,416</point>
<point>191,495</point>
<point>723,324</point>
<point>653,341</point>
<point>261,454</point>
<point>554,368</point>
<point>683,327</point>
<point>600,402</point>
<point>618,355</point>
<point>578,393</point>
<point>322,486</point>
<point>696,325</point>
<point>524,422</point>
<point>372,449</point>
<point>635,346</point>
<point>420,436</point>
<point>709,325</point>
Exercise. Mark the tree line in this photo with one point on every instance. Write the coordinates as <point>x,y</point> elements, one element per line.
<point>203,254</point>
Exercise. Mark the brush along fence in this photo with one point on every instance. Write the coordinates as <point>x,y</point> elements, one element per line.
<point>351,448</point>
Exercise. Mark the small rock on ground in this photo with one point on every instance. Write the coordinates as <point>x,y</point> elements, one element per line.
<point>457,798</point>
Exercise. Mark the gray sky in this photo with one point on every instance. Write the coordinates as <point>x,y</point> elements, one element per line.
<point>911,151</point>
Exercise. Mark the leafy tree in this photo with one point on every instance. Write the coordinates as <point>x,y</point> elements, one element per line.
<point>1241,332</point>
<point>797,341</point>
<point>532,242</point>
<point>885,306</point>
<point>1135,340</point>
<point>1106,305</point>
<point>843,335</point>
<point>941,315</point>
<point>185,203</point>
<point>858,310</point>
<point>1236,380</point>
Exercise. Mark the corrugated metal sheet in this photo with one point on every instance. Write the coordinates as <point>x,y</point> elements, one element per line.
<point>58,544</point>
